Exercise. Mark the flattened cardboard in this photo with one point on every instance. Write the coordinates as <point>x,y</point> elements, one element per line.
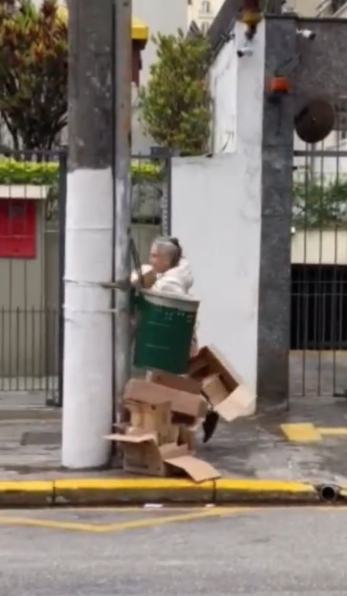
<point>173,381</point>
<point>142,455</point>
<point>241,401</point>
<point>134,437</point>
<point>189,404</point>
<point>197,469</point>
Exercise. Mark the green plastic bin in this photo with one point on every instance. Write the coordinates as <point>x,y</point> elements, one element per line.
<point>164,333</point>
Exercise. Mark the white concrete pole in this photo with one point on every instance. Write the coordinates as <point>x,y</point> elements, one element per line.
<point>87,390</point>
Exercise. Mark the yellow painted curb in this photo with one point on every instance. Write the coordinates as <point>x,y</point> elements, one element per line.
<point>112,491</point>
<point>26,493</point>
<point>26,486</point>
<point>117,491</point>
<point>130,483</point>
<point>251,485</point>
<point>263,490</point>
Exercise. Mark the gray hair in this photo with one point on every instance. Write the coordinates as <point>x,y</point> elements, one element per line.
<point>171,247</point>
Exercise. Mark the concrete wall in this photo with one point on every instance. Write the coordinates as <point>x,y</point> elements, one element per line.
<point>224,91</point>
<point>319,247</point>
<point>216,212</point>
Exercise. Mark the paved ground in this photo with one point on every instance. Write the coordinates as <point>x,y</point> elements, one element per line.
<point>30,433</point>
<point>230,552</point>
<point>30,438</point>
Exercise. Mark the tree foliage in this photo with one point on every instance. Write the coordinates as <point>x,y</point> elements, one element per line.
<point>320,203</point>
<point>33,72</point>
<point>175,104</point>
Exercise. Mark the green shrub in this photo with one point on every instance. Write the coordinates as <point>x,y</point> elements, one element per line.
<point>320,203</point>
<point>46,173</point>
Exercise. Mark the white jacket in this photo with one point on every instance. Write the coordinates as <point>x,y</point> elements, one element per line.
<point>178,280</point>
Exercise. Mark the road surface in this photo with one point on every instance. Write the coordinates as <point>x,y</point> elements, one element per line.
<point>157,552</point>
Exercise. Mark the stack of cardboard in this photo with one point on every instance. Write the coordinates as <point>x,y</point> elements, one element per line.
<point>165,411</point>
<point>222,386</point>
<point>159,439</point>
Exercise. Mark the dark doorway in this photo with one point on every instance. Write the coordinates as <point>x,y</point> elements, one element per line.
<point>319,307</point>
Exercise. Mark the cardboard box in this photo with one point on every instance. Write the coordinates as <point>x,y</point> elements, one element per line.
<point>187,436</point>
<point>188,404</point>
<point>214,389</point>
<point>239,401</point>
<point>173,381</point>
<point>152,418</point>
<point>143,455</point>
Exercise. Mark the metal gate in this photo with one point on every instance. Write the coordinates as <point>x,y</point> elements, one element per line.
<point>32,198</point>
<point>318,358</point>
<point>32,247</point>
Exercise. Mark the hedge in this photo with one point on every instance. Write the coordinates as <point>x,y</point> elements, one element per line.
<point>46,173</point>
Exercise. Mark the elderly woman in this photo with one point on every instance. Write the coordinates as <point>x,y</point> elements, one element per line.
<point>173,275</point>
<point>169,272</point>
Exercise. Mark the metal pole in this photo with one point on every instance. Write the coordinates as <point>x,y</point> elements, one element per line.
<point>123,76</point>
<point>87,411</point>
<point>62,220</point>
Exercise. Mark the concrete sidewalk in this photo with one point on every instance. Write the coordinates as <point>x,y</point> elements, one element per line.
<point>259,458</point>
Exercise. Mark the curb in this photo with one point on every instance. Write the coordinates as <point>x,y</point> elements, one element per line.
<point>130,491</point>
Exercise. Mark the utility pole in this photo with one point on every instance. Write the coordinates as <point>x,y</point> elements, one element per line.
<point>87,391</point>
<point>122,169</point>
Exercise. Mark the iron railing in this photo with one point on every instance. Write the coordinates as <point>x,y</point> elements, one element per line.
<point>32,253</point>
<point>318,358</point>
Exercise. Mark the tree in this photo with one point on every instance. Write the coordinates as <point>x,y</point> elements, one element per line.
<point>175,104</point>
<point>33,72</point>
<point>320,203</point>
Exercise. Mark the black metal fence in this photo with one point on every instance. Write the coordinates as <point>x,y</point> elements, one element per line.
<point>33,188</point>
<point>318,356</point>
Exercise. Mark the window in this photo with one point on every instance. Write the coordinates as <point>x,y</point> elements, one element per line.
<point>205,7</point>
<point>204,27</point>
<point>17,228</point>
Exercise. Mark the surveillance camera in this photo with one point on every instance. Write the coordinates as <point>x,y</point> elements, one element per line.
<point>306,34</point>
<point>245,51</point>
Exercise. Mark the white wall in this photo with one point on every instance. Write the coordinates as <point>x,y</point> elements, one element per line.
<point>319,247</point>
<point>216,213</point>
<point>224,89</point>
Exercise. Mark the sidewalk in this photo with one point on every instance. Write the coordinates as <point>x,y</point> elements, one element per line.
<point>255,457</point>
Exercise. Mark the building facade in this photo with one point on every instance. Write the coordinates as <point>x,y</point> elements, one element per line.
<point>203,12</point>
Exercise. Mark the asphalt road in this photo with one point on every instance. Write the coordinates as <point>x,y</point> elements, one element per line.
<point>282,552</point>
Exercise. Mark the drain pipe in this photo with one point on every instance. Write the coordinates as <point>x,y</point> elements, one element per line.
<point>328,493</point>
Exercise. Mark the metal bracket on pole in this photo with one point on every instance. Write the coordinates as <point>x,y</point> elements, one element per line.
<point>123,285</point>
